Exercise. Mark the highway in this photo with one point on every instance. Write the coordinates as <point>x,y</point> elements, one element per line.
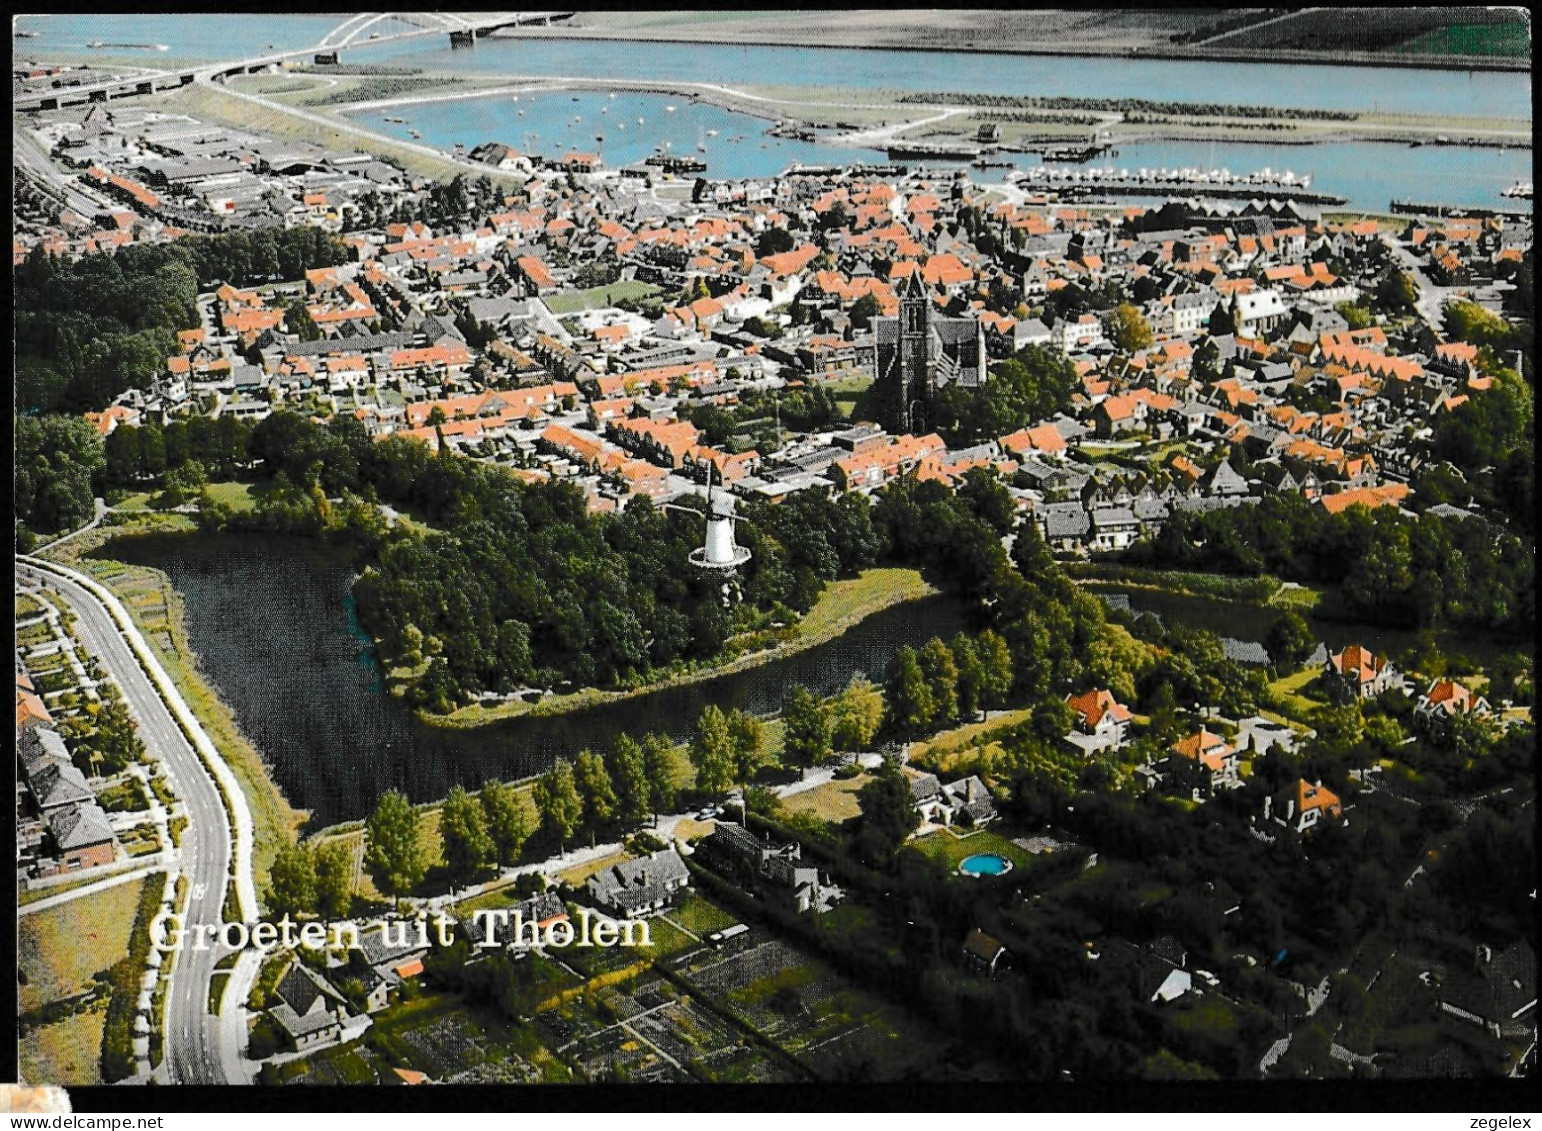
<point>193,1054</point>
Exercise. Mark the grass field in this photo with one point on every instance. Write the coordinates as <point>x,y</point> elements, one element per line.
<point>236,496</point>
<point>1507,40</point>
<point>1288,691</point>
<point>834,802</point>
<point>68,1052</point>
<point>699,916</point>
<point>963,737</point>
<point>569,302</point>
<point>581,872</point>
<point>945,848</point>
<point>61,949</point>
<point>843,603</point>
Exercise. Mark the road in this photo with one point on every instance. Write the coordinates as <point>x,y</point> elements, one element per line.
<point>192,1035</point>
<point>28,154</point>
<point>1432,298</point>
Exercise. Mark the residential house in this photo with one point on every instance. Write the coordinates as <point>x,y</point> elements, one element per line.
<point>309,1011</point>
<point>1446,699</point>
<point>1212,753</point>
<point>1497,993</point>
<point>777,869</point>
<point>984,953</point>
<point>1367,674</point>
<point>963,802</point>
<point>635,889</point>
<point>1102,722</point>
<point>82,836</point>
<point>1301,806</point>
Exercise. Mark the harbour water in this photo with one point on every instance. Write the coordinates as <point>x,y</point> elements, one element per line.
<point>1368,174</point>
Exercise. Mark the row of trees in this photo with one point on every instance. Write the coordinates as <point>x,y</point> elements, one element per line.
<point>479,832</point>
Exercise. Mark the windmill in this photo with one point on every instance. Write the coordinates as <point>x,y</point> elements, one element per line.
<point>719,556</point>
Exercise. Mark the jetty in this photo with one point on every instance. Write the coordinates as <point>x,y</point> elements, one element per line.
<point>1419,208</point>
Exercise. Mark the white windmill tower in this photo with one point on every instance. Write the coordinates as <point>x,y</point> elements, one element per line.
<point>719,556</point>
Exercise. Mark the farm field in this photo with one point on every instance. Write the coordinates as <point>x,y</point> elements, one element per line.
<point>61,949</point>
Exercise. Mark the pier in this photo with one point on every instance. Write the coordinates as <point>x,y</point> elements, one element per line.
<point>1415,208</point>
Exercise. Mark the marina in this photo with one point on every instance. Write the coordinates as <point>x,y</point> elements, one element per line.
<point>1220,183</point>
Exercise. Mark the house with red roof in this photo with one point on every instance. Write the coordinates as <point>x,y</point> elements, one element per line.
<point>1102,722</point>
<point>1366,673</point>
<point>1302,806</point>
<point>1213,754</point>
<point>1446,699</point>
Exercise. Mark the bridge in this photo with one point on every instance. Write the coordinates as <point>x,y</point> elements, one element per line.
<point>463,29</point>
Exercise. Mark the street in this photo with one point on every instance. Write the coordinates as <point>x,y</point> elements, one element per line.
<point>192,1052</point>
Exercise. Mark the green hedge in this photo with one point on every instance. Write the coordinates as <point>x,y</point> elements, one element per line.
<point>122,980</point>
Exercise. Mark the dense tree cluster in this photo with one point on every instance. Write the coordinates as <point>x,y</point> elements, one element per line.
<point>1025,389</point>
<point>1388,567</point>
<point>59,463</point>
<point>89,328</point>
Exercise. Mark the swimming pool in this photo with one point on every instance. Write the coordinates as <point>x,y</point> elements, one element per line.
<point>984,864</point>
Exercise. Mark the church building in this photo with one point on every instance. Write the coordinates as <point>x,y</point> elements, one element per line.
<point>918,353</point>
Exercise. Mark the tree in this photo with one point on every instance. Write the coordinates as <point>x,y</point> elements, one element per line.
<point>971,674</point>
<point>594,786</point>
<point>1129,329</point>
<point>1289,641</point>
<point>292,881</point>
<point>805,727</point>
<point>629,772</point>
<point>864,310</point>
<point>392,849</point>
<point>995,669</point>
<point>1357,317</point>
<point>557,801</point>
<point>774,241</point>
<point>942,680</point>
<point>334,881</point>
<point>856,715</point>
<point>297,316</point>
<point>749,742</point>
<point>712,751</point>
<point>510,820</point>
<point>1398,293</point>
<point>889,815</point>
<point>468,848</point>
<point>666,771</point>
<point>57,458</point>
<point>907,696</point>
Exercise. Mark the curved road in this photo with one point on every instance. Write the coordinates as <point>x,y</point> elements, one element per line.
<point>192,1035</point>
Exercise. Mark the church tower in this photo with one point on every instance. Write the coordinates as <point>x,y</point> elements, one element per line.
<point>913,387</point>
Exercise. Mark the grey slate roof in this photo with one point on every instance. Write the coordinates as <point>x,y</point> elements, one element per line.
<point>58,784</point>
<point>41,746</point>
<point>306,1003</point>
<point>1245,651</point>
<point>379,949</point>
<point>80,826</point>
<point>1065,520</point>
<point>639,883</point>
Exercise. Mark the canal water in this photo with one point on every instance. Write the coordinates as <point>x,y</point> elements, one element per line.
<point>273,625</point>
